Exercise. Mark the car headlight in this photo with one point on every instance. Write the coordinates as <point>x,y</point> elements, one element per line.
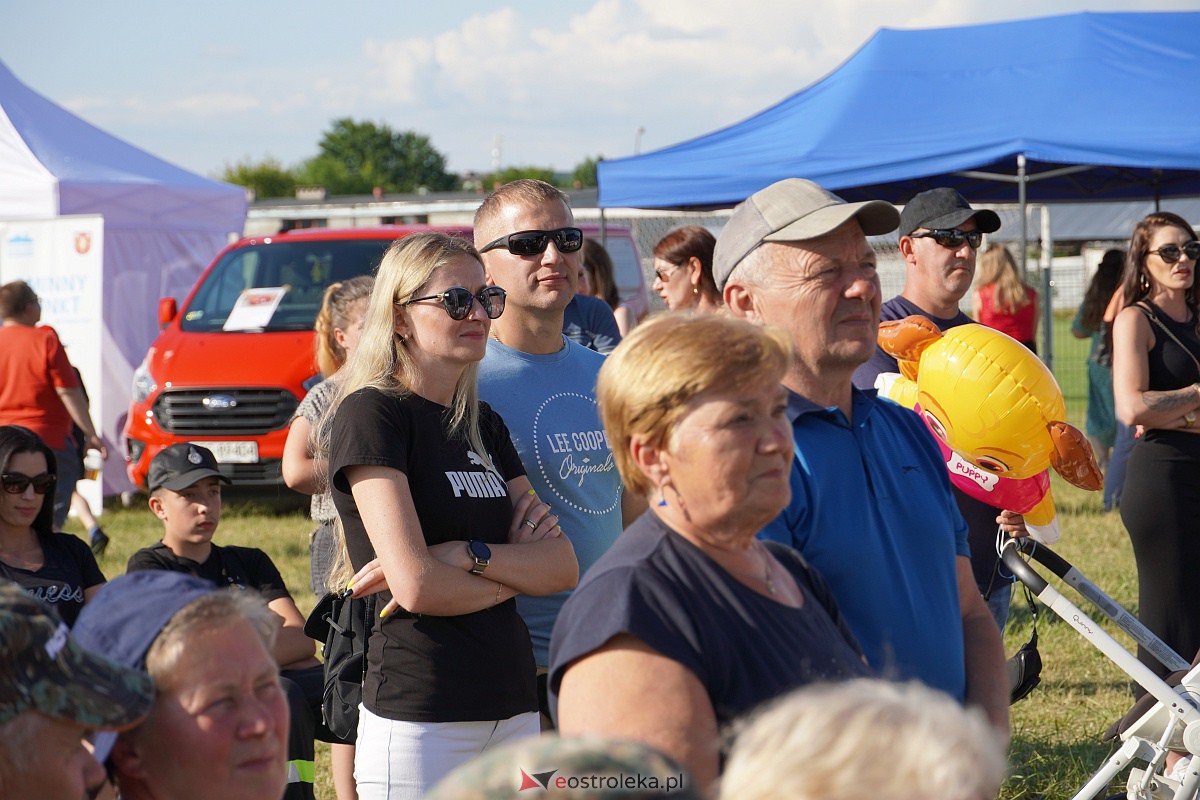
<point>143,383</point>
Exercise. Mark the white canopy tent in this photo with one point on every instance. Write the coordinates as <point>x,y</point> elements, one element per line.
<point>101,230</point>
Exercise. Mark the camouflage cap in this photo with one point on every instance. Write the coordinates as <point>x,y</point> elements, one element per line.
<point>581,768</point>
<point>43,669</point>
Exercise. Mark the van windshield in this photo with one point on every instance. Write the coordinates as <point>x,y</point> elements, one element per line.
<point>303,268</point>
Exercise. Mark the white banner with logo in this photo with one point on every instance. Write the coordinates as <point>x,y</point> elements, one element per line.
<point>63,259</point>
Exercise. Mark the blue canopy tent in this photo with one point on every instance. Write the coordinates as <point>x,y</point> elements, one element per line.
<point>1074,107</point>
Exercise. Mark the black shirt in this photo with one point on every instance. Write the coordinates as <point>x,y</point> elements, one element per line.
<point>423,668</point>
<point>68,569</point>
<point>228,565</point>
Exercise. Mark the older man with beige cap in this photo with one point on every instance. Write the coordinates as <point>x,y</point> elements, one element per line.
<point>871,503</point>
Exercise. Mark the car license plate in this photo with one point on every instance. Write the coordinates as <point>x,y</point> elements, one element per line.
<point>233,452</point>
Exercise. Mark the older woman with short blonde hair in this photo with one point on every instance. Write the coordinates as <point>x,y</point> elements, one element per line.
<point>689,620</point>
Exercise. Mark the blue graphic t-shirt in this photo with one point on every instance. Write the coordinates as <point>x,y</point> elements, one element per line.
<point>549,405</point>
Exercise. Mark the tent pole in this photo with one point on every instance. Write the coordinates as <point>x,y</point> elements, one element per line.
<point>1021,203</point>
<point>1047,280</point>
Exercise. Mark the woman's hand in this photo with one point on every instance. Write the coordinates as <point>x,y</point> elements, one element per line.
<point>368,580</point>
<point>532,520</point>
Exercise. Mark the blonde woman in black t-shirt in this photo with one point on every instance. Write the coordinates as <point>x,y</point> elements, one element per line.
<point>437,515</point>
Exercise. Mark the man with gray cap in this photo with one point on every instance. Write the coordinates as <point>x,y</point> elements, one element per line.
<point>871,506</point>
<point>53,692</point>
<point>940,235</point>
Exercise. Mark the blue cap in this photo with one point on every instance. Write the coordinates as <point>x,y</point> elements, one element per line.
<point>125,617</point>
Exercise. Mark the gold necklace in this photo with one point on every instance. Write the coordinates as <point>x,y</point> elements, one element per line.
<point>766,559</point>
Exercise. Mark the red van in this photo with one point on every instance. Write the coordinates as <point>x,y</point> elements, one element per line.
<point>229,369</point>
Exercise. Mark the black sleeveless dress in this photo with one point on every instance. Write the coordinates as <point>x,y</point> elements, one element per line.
<point>1160,504</point>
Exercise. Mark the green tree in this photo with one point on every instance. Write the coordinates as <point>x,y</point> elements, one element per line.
<point>510,174</point>
<point>585,173</point>
<point>355,157</point>
<point>268,178</point>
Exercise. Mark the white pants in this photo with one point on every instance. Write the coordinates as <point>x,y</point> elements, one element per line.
<point>404,760</point>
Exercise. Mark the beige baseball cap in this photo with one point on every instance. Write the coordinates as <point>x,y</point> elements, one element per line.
<point>792,210</point>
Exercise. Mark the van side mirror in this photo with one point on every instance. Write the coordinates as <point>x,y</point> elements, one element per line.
<point>167,309</point>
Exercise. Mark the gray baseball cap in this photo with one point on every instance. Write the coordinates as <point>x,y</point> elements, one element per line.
<point>792,210</point>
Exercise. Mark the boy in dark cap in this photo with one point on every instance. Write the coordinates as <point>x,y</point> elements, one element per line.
<point>185,493</point>
<point>52,692</point>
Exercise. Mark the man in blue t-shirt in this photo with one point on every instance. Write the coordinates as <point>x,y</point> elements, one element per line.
<point>871,505</point>
<point>544,385</point>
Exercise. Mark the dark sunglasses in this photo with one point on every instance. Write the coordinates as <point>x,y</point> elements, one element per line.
<point>952,237</point>
<point>1171,253</point>
<point>532,243</point>
<point>17,482</point>
<point>457,301</point>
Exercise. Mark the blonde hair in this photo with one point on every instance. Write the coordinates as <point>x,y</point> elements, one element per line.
<point>381,361</point>
<point>865,738</point>
<point>665,362</point>
<point>337,307</point>
<point>996,265</point>
<point>208,612</point>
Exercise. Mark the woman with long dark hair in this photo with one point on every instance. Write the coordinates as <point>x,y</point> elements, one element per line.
<point>57,567</point>
<point>1156,384</point>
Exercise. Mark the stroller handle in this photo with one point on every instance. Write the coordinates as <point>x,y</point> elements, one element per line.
<point>1072,576</point>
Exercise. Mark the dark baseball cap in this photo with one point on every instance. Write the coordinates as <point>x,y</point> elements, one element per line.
<point>792,210</point>
<point>124,618</point>
<point>944,208</point>
<point>180,465</point>
<point>43,667</point>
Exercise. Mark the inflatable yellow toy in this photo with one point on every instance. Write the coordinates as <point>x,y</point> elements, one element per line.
<point>997,414</point>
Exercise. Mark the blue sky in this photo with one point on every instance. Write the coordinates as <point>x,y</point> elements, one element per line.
<point>535,82</point>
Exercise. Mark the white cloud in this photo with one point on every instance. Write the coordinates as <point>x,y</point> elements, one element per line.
<point>553,81</point>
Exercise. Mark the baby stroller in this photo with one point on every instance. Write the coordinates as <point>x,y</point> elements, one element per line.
<point>1166,719</point>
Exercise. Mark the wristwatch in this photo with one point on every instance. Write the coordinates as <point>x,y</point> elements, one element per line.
<point>482,555</point>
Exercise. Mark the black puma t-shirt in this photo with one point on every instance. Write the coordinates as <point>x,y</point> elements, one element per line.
<point>423,668</point>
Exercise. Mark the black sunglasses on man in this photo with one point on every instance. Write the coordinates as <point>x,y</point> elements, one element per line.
<point>532,243</point>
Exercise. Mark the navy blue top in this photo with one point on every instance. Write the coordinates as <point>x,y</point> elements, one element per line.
<point>590,322</point>
<point>744,647</point>
<point>68,570</point>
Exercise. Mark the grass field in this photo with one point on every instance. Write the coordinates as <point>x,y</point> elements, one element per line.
<point>1056,731</point>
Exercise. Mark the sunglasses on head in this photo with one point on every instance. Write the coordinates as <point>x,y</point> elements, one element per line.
<point>457,301</point>
<point>1171,253</point>
<point>17,482</point>
<point>952,237</point>
<point>532,243</point>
